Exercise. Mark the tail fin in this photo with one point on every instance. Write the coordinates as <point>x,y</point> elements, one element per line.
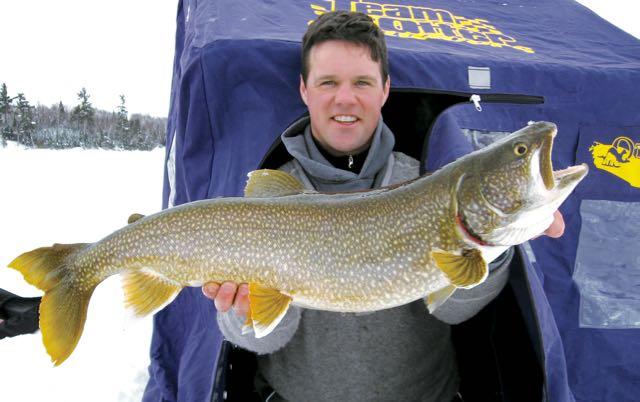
<point>63,309</point>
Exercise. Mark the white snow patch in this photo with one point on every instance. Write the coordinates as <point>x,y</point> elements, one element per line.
<point>69,196</point>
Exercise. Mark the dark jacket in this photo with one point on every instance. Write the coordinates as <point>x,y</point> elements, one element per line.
<point>190,359</point>
<point>19,315</point>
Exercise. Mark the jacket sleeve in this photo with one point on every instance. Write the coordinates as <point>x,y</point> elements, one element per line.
<point>230,325</point>
<point>18,315</point>
<point>465,303</point>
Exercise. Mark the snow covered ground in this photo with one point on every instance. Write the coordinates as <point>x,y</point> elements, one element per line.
<point>70,196</point>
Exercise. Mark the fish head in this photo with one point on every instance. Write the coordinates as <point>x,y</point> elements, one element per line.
<point>508,192</point>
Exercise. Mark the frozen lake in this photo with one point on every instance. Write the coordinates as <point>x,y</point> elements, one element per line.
<point>70,196</point>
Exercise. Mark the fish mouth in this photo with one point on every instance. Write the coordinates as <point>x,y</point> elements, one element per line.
<point>557,179</point>
<point>546,167</point>
<point>566,177</point>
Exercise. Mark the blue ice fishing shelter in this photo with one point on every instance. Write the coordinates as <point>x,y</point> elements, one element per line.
<point>462,73</point>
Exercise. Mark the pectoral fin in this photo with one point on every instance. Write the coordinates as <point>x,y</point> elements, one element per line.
<point>437,298</point>
<point>268,306</point>
<point>271,183</point>
<point>464,271</point>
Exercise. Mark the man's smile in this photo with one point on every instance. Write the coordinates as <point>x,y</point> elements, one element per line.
<point>345,119</point>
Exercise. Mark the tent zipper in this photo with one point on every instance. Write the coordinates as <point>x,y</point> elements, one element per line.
<point>476,100</point>
<point>519,99</point>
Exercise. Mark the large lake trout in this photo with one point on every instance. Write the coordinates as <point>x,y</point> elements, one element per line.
<point>349,252</point>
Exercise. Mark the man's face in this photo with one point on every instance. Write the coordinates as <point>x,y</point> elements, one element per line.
<point>344,93</point>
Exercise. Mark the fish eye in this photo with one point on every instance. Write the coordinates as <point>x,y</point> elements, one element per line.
<point>520,149</point>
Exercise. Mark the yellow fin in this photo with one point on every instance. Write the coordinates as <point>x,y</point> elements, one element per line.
<point>437,298</point>
<point>41,267</point>
<point>146,291</point>
<point>268,306</point>
<point>63,309</point>
<point>464,271</point>
<point>271,183</point>
<point>63,312</point>
<point>247,327</point>
<point>134,217</point>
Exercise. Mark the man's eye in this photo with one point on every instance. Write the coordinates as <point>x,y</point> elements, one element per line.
<point>328,83</point>
<point>362,83</point>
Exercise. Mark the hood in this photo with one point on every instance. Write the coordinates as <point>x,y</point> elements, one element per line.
<point>323,175</point>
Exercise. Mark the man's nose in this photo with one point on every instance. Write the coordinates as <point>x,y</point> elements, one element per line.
<point>345,94</point>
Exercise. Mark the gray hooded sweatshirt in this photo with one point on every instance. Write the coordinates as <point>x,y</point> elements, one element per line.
<point>399,354</point>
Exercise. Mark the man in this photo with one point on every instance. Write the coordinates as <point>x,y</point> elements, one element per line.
<point>403,353</point>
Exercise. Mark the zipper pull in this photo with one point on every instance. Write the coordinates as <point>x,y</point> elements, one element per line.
<point>350,161</point>
<point>476,102</point>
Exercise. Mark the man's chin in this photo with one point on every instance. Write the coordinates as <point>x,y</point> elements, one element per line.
<point>347,148</point>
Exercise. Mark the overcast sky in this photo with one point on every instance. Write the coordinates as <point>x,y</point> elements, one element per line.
<point>52,48</point>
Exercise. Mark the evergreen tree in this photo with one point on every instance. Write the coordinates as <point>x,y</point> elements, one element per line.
<point>123,125</point>
<point>59,126</point>
<point>24,121</point>
<point>62,113</point>
<point>123,114</point>
<point>5,111</point>
<point>83,115</point>
<point>134,140</point>
<point>5,103</point>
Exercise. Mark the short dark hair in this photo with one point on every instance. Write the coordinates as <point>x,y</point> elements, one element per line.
<point>352,27</point>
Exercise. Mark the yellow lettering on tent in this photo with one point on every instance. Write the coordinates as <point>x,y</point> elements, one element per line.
<point>424,23</point>
<point>620,158</point>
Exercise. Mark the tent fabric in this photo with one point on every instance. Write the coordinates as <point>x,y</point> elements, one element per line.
<point>447,143</point>
<point>235,89</point>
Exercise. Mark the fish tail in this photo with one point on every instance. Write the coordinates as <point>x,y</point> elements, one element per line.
<point>63,309</point>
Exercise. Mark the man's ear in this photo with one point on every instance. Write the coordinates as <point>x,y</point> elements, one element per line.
<point>303,90</point>
<point>386,89</point>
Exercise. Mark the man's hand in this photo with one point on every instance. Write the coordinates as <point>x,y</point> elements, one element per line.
<point>228,295</point>
<point>557,226</point>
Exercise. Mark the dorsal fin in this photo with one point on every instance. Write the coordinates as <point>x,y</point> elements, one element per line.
<point>134,217</point>
<point>271,183</point>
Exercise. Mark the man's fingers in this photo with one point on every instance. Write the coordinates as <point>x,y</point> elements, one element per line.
<point>225,297</point>
<point>241,304</point>
<point>557,226</point>
<point>210,289</point>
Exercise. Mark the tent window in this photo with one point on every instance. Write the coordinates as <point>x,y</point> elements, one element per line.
<point>607,269</point>
<point>480,139</point>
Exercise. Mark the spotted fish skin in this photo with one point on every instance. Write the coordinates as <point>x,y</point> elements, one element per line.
<point>349,252</point>
<point>358,252</point>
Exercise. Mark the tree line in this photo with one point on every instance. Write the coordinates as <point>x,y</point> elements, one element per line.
<point>82,125</point>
